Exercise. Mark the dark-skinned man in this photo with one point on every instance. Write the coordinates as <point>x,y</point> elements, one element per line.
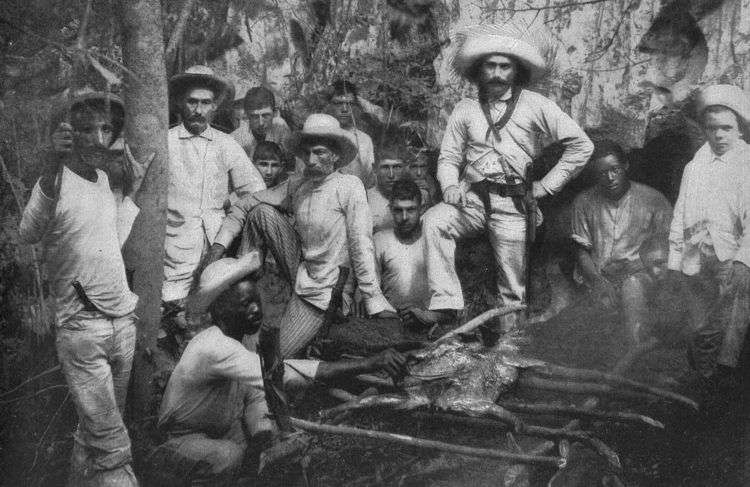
<point>710,232</point>
<point>482,169</point>
<point>400,257</point>
<point>611,221</point>
<point>202,163</point>
<point>332,228</point>
<point>82,225</point>
<point>214,406</point>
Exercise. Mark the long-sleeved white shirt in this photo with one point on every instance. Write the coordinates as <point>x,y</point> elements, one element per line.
<point>82,232</point>
<point>333,221</point>
<point>711,213</point>
<point>204,169</point>
<point>199,391</point>
<point>469,140</point>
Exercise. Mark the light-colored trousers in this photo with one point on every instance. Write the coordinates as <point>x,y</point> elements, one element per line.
<point>443,224</point>
<point>96,355</point>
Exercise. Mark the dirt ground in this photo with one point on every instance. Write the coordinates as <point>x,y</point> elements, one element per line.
<point>701,449</point>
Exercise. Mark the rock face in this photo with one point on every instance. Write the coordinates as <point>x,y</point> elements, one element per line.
<point>633,57</point>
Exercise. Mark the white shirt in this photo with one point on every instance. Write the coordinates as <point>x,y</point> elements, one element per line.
<point>361,166</point>
<point>212,367</point>
<point>468,140</point>
<point>711,213</point>
<point>203,170</point>
<point>81,243</point>
<point>380,208</point>
<point>403,272</point>
<point>334,224</point>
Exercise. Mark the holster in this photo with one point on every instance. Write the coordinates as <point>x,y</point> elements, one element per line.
<point>516,191</point>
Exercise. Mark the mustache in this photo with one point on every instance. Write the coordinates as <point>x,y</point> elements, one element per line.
<point>496,81</point>
<point>196,118</point>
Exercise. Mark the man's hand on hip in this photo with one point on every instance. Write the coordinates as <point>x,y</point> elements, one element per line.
<point>455,195</point>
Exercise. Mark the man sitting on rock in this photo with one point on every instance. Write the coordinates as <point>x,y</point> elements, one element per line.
<point>214,405</point>
<point>400,257</point>
<point>390,169</point>
<point>332,229</point>
<point>610,223</point>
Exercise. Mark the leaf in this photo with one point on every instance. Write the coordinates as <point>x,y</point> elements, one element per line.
<point>110,77</point>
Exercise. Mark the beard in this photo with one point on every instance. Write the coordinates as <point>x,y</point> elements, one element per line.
<point>196,124</point>
<point>317,171</point>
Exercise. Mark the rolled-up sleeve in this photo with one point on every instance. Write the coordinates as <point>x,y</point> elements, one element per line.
<point>361,248</point>
<point>577,146</point>
<point>36,216</point>
<point>452,149</point>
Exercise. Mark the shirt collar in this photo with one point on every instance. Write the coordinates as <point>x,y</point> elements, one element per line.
<point>207,134</point>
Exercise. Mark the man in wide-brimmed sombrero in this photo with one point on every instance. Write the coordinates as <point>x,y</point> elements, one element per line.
<point>204,165</point>
<point>710,233</point>
<point>214,408</point>
<point>332,228</point>
<point>488,146</point>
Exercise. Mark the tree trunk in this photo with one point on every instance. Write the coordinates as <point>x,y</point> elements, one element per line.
<point>146,122</point>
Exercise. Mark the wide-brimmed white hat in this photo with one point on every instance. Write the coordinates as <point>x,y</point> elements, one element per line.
<point>200,75</point>
<point>217,277</point>
<point>730,96</point>
<point>473,43</point>
<point>320,127</point>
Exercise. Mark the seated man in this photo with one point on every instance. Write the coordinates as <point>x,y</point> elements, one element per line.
<point>214,405</point>
<point>332,229</point>
<point>389,170</point>
<point>610,222</point>
<point>709,238</point>
<point>400,257</point>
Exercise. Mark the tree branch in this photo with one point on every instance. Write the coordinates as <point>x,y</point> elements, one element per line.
<point>179,29</point>
<point>31,379</point>
<point>550,7</point>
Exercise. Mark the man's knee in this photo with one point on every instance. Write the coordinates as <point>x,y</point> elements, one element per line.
<point>263,213</point>
<point>435,220</point>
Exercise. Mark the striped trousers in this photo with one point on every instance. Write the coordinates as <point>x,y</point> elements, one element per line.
<point>268,230</point>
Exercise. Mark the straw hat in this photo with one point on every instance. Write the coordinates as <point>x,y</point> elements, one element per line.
<point>201,76</point>
<point>217,277</point>
<point>475,42</point>
<point>729,96</point>
<point>322,128</point>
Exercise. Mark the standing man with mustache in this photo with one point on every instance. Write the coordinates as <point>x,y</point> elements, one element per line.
<point>332,229</point>
<point>488,145</point>
<point>204,166</point>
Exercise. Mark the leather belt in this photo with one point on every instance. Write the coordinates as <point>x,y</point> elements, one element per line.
<point>516,191</point>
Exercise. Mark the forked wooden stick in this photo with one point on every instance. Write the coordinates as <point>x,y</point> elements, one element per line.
<point>549,461</point>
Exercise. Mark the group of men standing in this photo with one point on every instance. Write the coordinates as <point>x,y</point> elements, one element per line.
<point>318,202</point>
